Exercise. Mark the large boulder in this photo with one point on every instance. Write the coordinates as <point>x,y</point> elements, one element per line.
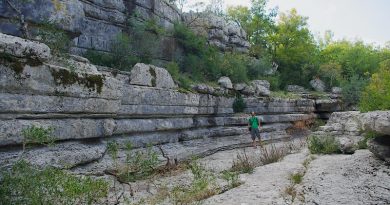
<point>295,88</point>
<point>350,127</point>
<point>225,82</point>
<point>261,87</point>
<point>248,90</point>
<point>318,85</point>
<point>140,75</point>
<point>377,121</point>
<point>152,76</point>
<point>22,48</point>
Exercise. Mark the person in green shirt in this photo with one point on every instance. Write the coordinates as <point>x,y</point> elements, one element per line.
<point>254,125</point>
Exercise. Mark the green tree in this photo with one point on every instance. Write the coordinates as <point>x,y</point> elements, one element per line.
<point>258,23</point>
<point>331,72</point>
<point>376,96</point>
<point>294,49</point>
<point>355,58</point>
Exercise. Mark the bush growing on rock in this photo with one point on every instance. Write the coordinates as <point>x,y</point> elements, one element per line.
<point>239,104</point>
<point>202,186</point>
<point>138,165</point>
<point>272,154</point>
<point>57,40</point>
<point>25,184</point>
<point>352,89</point>
<point>243,164</point>
<point>232,178</point>
<point>38,135</point>
<point>376,96</point>
<point>323,145</point>
<point>121,54</point>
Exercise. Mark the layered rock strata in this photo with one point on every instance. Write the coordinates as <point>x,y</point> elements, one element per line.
<point>95,24</point>
<point>88,108</point>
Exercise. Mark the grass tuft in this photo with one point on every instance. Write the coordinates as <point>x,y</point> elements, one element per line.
<point>323,145</point>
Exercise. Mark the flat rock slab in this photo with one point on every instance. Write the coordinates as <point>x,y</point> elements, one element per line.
<point>64,155</point>
<point>347,179</point>
<point>265,185</point>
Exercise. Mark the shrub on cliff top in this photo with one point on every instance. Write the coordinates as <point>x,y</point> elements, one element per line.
<point>376,96</point>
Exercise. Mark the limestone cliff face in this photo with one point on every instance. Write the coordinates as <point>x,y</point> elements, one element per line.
<point>91,106</point>
<point>94,24</point>
<point>220,32</point>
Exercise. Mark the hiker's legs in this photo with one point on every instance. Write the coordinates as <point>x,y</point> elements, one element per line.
<point>253,136</point>
<point>258,136</point>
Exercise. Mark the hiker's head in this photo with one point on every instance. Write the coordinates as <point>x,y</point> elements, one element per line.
<point>253,113</point>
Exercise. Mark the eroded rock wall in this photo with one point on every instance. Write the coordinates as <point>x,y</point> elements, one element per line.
<point>88,107</point>
<point>95,24</point>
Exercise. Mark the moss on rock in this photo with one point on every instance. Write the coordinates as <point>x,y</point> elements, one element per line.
<point>65,77</point>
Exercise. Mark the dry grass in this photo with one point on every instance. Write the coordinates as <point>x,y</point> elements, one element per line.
<point>242,163</point>
<point>272,154</point>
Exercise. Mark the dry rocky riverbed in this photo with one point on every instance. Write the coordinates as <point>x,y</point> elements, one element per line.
<point>359,178</point>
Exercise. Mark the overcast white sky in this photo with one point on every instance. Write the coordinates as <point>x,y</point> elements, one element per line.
<point>367,20</point>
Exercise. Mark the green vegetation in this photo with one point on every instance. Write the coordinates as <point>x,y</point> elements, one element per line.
<point>316,124</point>
<point>272,154</point>
<point>38,135</point>
<point>239,104</point>
<point>367,136</point>
<point>205,63</point>
<point>26,184</point>
<point>138,165</point>
<point>201,187</point>
<point>121,54</point>
<point>284,95</point>
<point>296,178</point>
<point>66,77</point>
<point>57,39</point>
<point>232,178</point>
<point>376,96</point>
<point>323,145</point>
<point>243,164</point>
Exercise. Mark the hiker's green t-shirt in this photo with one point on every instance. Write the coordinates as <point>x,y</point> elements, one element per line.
<point>254,122</point>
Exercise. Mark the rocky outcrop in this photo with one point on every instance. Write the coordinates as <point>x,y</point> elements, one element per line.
<point>262,87</point>
<point>22,48</point>
<point>88,108</point>
<point>349,127</point>
<point>325,107</point>
<point>224,34</point>
<point>225,82</point>
<point>152,76</point>
<point>94,24</point>
<point>318,85</point>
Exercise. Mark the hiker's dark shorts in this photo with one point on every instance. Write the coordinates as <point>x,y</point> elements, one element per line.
<point>255,133</point>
